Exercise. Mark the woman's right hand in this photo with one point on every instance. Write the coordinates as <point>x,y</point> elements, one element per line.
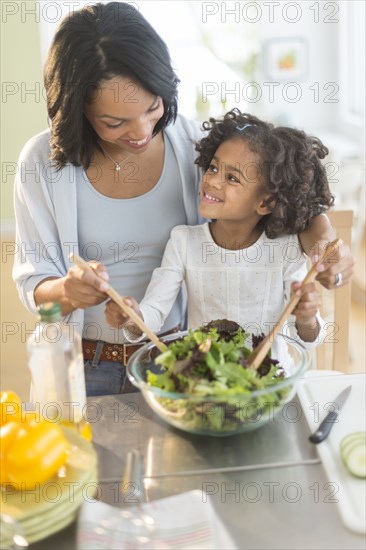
<point>84,288</point>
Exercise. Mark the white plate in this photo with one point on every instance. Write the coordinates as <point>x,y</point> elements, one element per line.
<point>54,505</point>
<point>316,395</point>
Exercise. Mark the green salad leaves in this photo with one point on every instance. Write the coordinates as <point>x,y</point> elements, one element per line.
<point>209,368</point>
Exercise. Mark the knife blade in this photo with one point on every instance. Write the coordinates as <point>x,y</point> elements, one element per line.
<point>326,425</point>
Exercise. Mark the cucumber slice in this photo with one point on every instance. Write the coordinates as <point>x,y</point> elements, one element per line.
<point>349,449</point>
<point>353,453</point>
<point>352,437</point>
<point>350,442</point>
<point>355,460</point>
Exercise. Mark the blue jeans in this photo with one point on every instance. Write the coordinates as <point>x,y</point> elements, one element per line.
<point>106,377</point>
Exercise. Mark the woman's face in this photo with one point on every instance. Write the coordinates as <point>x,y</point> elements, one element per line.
<point>125,114</point>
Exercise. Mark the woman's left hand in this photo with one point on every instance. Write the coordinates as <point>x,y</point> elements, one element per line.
<point>338,269</point>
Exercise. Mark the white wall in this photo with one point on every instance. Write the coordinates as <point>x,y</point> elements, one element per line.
<point>210,41</point>
<point>181,24</point>
<point>317,93</point>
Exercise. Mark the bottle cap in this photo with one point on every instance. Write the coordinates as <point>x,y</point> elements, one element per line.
<point>50,311</point>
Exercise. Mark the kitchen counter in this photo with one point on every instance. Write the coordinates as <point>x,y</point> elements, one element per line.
<point>273,493</point>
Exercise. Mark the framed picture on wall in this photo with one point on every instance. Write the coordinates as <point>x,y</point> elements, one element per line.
<point>285,59</point>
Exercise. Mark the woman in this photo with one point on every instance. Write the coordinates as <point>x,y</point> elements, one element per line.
<point>110,179</point>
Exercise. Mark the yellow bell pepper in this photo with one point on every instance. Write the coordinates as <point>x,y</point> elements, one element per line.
<point>83,428</point>
<point>8,433</point>
<point>10,407</point>
<point>34,454</point>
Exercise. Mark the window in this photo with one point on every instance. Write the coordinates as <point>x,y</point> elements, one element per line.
<point>352,62</point>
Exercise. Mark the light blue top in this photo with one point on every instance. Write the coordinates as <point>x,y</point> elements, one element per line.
<point>129,250</point>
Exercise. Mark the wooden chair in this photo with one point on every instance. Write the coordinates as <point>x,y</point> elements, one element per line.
<point>334,352</point>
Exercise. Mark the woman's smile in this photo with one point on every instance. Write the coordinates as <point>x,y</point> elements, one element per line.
<point>137,144</point>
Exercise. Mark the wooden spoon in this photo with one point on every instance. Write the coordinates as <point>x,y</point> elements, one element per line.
<point>122,304</point>
<point>259,353</point>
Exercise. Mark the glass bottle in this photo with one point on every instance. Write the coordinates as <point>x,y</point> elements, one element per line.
<point>57,369</point>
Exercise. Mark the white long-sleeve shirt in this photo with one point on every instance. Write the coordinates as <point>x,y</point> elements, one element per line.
<point>250,286</point>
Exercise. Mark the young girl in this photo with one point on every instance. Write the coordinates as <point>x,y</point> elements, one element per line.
<point>262,185</point>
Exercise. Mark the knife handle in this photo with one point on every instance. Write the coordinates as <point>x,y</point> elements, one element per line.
<point>323,431</point>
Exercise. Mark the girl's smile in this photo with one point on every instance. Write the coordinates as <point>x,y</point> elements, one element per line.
<point>210,198</point>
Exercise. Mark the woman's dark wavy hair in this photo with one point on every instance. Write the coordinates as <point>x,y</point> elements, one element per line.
<point>97,43</point>
<point>289,167</point>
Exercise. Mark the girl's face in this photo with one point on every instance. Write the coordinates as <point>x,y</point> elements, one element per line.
<point>124,114</point>
<point>231,188</point>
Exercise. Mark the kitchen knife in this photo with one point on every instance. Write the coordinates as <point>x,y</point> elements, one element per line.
<point>323,431</point>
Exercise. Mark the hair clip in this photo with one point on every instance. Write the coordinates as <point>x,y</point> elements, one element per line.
<point>243,127</point>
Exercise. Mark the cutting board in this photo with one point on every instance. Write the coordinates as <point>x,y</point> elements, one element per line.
<point>316,395</point>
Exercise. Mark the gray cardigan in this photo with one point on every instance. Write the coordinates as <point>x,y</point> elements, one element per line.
<point>46,211</point>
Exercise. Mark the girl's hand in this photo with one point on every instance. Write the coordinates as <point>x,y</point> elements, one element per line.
<point>305,312</point>
<point>341,262</point>
<point>309,303</point>
<point>83,288</point>
<point>118,319</point>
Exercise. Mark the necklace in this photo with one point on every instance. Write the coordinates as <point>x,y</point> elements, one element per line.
<point>116,164</point>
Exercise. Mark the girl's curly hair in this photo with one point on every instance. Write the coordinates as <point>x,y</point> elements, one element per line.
<point>289,167</point>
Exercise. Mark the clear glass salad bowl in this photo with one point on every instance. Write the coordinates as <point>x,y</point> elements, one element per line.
<point>227,413</point>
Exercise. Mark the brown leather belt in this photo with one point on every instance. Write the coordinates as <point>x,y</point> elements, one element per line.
<point>119,353</point>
